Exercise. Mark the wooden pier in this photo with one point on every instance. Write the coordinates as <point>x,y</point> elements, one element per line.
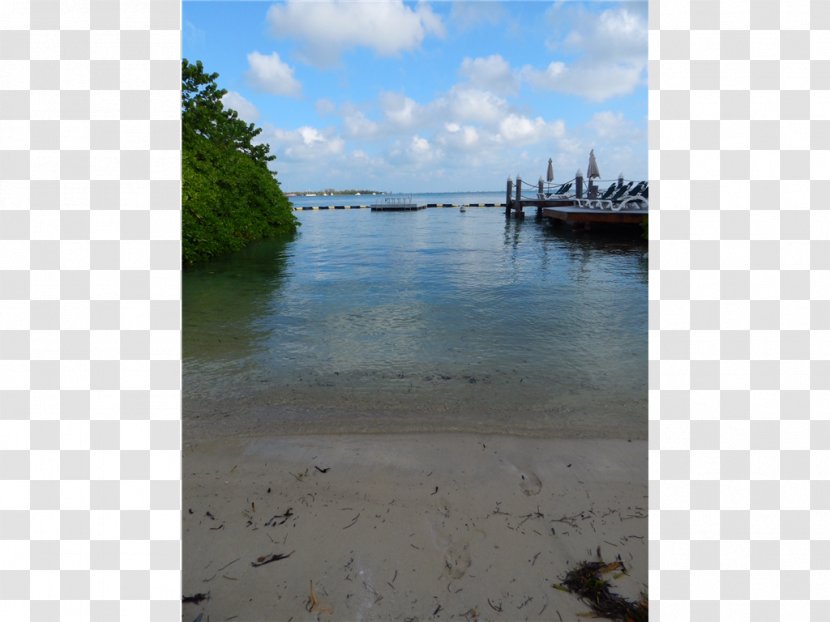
<point>581,215</point>
<point>572,210</point>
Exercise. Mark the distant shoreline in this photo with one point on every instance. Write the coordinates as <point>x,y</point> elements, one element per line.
<point>328,192</point>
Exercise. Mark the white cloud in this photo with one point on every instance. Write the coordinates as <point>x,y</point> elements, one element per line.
<point>466,119</point>
<point>420,151</point>
<point>431,23</point>
<point>462,104</point>
<point>357,124</point>
<point>399,109</point>
<point>518,129</point>
<point>419,146</point>
<point>304,143</point>
<point>491,73</point>
<point>610,52</point>
<point>608,124</point>
<point>553,74</point>
<point>459,137</point>
<point>595,82</point>
<point>412,151</point>
<point>271,74</point>
<point>621,33</point>
<point>474,105</point>
<point>245,109</point>
<point>326,28</point>
<point>551,77</point>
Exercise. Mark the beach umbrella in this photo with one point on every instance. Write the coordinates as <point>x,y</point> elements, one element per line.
<point>550,170</point>
<point>593,170</point>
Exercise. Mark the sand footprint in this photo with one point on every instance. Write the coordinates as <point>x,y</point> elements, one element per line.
<point>443,507</point>
<point>530,484</point>
<point>457,559</point>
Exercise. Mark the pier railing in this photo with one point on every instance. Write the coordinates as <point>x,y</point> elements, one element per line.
<point>400,199</point>
<point>598,194</point>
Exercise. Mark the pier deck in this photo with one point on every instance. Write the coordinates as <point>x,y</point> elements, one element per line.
<point>628,205</point>
<point>582,215</point>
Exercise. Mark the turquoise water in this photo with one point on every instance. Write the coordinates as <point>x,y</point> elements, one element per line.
<point>428,320</point>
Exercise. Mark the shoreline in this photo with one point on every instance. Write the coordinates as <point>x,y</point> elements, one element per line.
<point>403,526</point>
<point>208,419</point>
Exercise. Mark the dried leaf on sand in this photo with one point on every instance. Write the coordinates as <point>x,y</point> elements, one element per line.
<point>313,605</point>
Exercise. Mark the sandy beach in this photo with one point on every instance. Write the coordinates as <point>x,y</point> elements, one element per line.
<point>407,527</point>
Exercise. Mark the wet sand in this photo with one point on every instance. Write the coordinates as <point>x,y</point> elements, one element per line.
<point>407,527</point>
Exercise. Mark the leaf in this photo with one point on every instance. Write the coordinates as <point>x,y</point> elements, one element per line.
<point>313,604</point>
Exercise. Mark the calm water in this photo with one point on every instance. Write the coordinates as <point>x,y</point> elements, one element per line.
<point>428,320</point>
<point>454,198</point>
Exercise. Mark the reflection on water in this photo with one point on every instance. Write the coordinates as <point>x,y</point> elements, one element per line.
<point>223,300</point>
<point>421,320</point>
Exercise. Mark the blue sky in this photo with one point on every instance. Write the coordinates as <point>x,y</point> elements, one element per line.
<point>431,96</point>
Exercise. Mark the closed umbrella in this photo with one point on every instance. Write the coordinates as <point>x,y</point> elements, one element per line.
<point>593,170</point>
<point>550,170</point>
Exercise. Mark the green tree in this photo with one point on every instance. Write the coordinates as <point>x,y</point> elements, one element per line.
<point>229,195</point>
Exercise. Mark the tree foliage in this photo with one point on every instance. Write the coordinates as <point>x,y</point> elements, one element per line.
<point>229,195</point>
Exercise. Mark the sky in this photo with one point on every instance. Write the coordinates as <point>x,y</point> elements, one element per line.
<point>431,96</point>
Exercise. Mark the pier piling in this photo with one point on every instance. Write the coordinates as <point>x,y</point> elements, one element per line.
<point>518,205</point>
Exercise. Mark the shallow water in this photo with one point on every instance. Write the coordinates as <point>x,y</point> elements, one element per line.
<point>428,320</point>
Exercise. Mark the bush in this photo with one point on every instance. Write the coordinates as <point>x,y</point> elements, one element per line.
<point>229,195</point>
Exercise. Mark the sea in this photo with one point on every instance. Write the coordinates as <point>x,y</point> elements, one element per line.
<point>433,320</point>
<point>424,198</point>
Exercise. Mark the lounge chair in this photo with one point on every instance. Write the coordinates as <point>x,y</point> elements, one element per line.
<point>600,202</point>
<point>561,191</point>
<point>564,188</point>
<point>609,198</point>
<point>640,191</point>
<point>636,198</point>
<point>621,192</point>
<point>608,192</point>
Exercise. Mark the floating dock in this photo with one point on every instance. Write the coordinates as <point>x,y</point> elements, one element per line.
<point>401,207</point>
<point>403,203</point>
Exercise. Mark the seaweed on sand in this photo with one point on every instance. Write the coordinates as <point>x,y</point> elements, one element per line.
<point>586,581</point>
